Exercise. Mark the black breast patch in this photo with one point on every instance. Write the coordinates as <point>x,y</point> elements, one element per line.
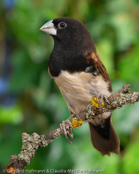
<point>92,70</point>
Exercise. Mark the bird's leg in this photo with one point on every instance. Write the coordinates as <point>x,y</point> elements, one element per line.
<point>63,128</point>
<point>101,99</point>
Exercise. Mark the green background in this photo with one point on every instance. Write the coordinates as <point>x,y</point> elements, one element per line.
<point>31,102</point>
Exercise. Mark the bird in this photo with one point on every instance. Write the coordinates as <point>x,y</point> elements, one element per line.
<point>76,68</point>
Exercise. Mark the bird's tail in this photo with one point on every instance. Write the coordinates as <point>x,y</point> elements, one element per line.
<point>105,139</point>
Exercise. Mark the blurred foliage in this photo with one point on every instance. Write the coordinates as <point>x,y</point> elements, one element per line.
<point>36,104</point>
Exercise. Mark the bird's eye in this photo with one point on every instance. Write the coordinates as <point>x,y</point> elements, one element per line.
<point>62,25</point>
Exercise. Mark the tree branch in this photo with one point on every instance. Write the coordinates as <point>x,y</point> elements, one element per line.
<point>30,143</point>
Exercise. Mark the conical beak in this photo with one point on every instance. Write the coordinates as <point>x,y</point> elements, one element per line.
<point>49,28</point>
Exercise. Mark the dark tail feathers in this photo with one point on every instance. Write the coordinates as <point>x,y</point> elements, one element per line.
<point>105,139</point>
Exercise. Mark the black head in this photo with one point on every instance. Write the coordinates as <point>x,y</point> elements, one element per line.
<point>72,43</point>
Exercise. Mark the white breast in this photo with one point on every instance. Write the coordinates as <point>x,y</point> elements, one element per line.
<point>78,89</point>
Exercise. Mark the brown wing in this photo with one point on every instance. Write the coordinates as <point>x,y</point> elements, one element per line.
<point>98,65</point>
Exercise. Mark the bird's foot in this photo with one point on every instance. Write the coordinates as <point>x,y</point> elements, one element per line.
<point>64,125</point>
<point>102,98</point>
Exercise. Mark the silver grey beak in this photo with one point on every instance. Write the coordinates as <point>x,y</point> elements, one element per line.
<point>49,28</point>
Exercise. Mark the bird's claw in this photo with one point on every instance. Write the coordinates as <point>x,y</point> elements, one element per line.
<point>65,132</point>
<point>102,98</point>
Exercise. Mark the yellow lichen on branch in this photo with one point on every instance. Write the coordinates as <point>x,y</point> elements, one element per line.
<point>96,102</point>
<point>76,123</point>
